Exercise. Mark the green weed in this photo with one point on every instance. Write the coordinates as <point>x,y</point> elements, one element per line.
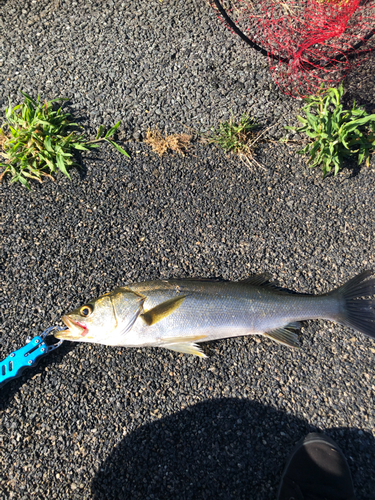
<point>38,140</point>
<point>337,133</point>
<point>234,136</point>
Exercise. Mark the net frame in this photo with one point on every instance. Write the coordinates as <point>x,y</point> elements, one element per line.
<point>309,43</point>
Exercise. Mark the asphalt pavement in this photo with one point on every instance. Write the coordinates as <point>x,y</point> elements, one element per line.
<point>96,422</point>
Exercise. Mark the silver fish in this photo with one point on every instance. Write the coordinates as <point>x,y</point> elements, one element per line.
<point>178,314</point>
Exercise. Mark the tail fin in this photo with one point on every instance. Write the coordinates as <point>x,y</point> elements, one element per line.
<point>357,312</point>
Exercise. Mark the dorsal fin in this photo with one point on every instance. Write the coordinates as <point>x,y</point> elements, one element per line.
<point>258,279</point>
<point>263,280</point>
<point>209,280</point>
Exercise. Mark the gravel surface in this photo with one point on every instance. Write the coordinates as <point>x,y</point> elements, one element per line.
<point>95,422</point>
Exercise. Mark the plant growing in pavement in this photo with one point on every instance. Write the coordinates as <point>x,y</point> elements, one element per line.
<point>337,133</point>
<point>38,140</point>
<point>234,136</point>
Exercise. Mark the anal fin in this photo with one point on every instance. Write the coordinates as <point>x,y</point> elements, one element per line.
<point>184,344</point>
<point>285,335</point>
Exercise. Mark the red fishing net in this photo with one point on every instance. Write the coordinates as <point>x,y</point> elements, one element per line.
<point>308,42</point>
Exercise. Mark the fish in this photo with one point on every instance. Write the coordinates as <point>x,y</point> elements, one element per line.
<point>178,314</point>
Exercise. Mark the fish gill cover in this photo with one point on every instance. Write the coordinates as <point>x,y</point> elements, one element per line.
<point>308,42</point>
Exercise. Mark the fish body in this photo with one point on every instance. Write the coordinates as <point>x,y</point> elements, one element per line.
<point>178,314</point>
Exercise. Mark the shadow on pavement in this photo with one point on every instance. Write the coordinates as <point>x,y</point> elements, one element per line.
<point>359,85</point>
<point>220,449</point>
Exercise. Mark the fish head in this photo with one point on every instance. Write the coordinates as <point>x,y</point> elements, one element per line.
<point>104,319</point>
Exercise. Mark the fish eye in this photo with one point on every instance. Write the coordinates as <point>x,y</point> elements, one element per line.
<point>85,310</point>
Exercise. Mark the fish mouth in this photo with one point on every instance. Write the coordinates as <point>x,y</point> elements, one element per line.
<point>75,330</point>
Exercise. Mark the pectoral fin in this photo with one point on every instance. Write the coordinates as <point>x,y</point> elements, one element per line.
<point>162,310</point>
<point>184,344</point>
<point>284,335</point>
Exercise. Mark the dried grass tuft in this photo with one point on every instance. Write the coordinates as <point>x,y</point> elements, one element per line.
<point>174,142</point>
<point>3,139</point>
